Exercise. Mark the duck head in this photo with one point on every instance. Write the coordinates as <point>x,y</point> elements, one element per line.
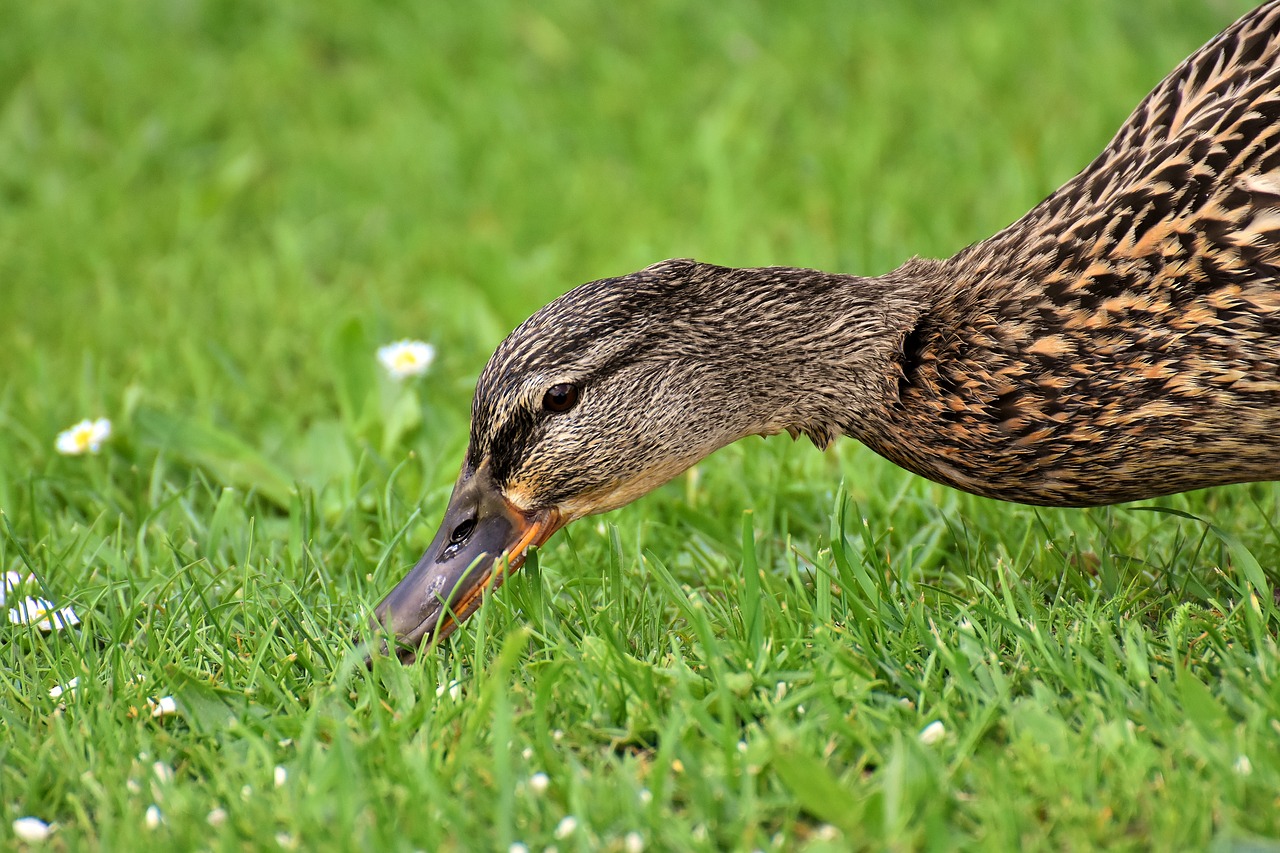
<point>605,394</point>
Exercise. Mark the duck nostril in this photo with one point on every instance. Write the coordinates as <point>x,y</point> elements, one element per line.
<point>462,532</point>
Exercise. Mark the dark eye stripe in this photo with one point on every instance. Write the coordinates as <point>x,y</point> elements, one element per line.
<point>503,431</point>
<point>508,445</point>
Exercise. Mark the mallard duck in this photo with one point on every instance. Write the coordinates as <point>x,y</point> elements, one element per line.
<point>1120,341</point>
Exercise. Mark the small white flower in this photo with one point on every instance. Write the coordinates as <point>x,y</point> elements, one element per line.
<point>933,733</point>
<point>453,688</point>
<point>645,796</point>
<point>539,782</point>
<point>246,792</point>
<point>287,841</point>
<point>406,358</point>
<point>281,776</point>
<point>165,706</point>
<point>217,817</point>
<point>1243,766</point>
<point>153,817</point>
<point>12,581</point>
<point>44,614</point>
<point>85,437</point>
<point>31,829</point>
<point>517,847</point>
<point>633,842</point>
<point>163,772</point>
<point>57,691</point>
<point>566,827</point>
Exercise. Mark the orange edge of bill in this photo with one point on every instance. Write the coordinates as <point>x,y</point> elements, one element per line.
<point>535,536</point>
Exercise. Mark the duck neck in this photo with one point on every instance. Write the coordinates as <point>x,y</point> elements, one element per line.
<point>815,353</point>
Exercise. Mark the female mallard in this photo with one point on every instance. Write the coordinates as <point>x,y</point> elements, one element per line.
<point>1120,341</point>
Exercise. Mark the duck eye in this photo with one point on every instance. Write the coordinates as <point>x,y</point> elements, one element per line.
<point>560,398</point>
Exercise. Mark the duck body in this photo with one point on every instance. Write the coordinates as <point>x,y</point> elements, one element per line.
<point>1120,341</point>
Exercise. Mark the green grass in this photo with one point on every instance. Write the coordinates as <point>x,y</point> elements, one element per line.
<point>212,213</point>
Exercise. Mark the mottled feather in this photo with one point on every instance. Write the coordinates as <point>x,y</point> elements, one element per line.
<point>1119,341</point>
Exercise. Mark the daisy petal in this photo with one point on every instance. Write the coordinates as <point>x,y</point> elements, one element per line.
<point>933,733</point>
<point>31,829</point>
<point>12,581</point>
<point>57,691</point>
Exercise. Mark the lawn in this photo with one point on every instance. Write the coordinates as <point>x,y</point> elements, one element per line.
<point>212,214</point>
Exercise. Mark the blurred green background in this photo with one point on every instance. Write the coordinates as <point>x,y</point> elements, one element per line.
<point>195,196</point>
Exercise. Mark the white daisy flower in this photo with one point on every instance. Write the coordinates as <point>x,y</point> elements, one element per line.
<point>633,842</point>
<point>44,614</point>
<point>406,358</point>
<point>281,776</point>
<point>933,733</point>
<point>153,817</point>
<point>85,437</point>
<point>165,706</point>
<point>217,817</point>
<point>539,782</point>
<point>31,829</point>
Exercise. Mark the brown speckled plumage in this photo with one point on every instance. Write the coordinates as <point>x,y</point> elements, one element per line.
<point>1120,341</point>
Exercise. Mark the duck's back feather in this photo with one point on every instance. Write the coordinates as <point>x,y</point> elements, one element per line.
<point>1126,331</point>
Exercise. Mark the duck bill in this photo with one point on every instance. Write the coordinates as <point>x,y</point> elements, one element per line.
<point>482,539</point>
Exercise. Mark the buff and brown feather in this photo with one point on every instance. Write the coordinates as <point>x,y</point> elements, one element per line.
<point>1120,341</point>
